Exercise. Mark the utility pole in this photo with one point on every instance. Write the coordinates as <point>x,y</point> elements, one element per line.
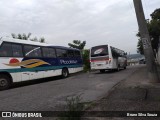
<point>148,51</point>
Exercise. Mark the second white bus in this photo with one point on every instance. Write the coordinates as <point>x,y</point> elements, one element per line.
<point>106,57</point>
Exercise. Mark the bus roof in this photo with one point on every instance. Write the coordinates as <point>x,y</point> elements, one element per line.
<point>29,42</point>
<point>8,39</point>
<point>62,47</point>
<point>107,45</point>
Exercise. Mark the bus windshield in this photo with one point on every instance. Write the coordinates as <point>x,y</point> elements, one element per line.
<point>99,51</point>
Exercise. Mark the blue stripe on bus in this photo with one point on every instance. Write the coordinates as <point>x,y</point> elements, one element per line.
<point>38,68</point>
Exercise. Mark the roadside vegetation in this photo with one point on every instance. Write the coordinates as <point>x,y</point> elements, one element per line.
<point>73,109</point>
<point>85,53</point>
<point>86,62</point>
<point>154,31</point>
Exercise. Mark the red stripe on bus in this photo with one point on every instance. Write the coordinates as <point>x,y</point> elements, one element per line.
<point>99,60</point>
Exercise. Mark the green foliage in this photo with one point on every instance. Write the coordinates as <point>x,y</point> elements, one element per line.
<point>77,44</point>
<point>27,37</point>
<point>34,39</point>
<point>86,60</point>
<point>85,53</point>
<point>156,14</point>
<point>21,36</point>
<point>140,47</point>
<point>73,103</point>
<point>74,108</point>
<point>154,31</point>
<point>42,40</point>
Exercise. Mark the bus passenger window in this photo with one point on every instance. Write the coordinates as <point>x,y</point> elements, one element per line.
<point>77,53</point>
<point>17,50</point>
<point>49,52</point>
<point>61,53</point>
<point>5,50</point>
<point>32,51</point>
<point>70,53</point>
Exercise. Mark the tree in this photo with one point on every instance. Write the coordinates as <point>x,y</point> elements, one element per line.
<point>42,40</point>
<point>154,31</point>
<point>21,36</point>
<point>156,14</point>
<point>34,39</point>
<point>77,44</point>
<point>139,45</point>
<point>27,37</point>
<point>86,60</point>
<point>85,53</point>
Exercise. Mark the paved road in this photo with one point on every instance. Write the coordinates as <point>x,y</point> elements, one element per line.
<point>46,96</point>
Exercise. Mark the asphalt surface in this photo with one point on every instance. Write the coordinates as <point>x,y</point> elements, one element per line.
<point>134,94</point>
<point>48,94</point>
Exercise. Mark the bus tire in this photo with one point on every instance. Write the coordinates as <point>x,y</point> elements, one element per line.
<point>5,82</point>
<point>65,73</point>
<point>102,71</point>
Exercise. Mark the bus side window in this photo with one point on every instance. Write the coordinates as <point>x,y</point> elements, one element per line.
<point>70,53</point>
<point>45,52</point>
<point>32,51</point>
<point>37,52</point>
<point>52,53</point>
<point>61,53</point>
<point>77,53</point>
<point>5,50</point>
<point>49,52</point>
<point>17,50</point>
<point>114,54</point>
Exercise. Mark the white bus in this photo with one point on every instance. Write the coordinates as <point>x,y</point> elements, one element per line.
<point>106,57</point>
<point>22,60</point>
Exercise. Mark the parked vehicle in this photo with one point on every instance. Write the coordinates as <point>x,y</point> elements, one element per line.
<point>106,57</point>
<point>142,61</point>
<point>22,60</point>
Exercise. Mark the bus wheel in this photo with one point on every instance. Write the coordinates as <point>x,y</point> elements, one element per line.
<point>125,67</point>
<point>65,73</point>
<point>102,71</point>
<point>5,82</point>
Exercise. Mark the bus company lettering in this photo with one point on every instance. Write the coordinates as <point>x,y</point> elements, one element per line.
<point>68,61</point>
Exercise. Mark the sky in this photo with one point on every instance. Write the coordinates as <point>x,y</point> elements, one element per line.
<point>60,22</point>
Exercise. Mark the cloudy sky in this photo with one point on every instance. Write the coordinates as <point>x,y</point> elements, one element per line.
<point>62,21</point>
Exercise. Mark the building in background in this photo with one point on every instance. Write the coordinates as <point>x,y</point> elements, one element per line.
<point>135,59</point>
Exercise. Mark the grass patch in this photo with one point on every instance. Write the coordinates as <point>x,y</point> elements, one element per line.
<point>74,109</point>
